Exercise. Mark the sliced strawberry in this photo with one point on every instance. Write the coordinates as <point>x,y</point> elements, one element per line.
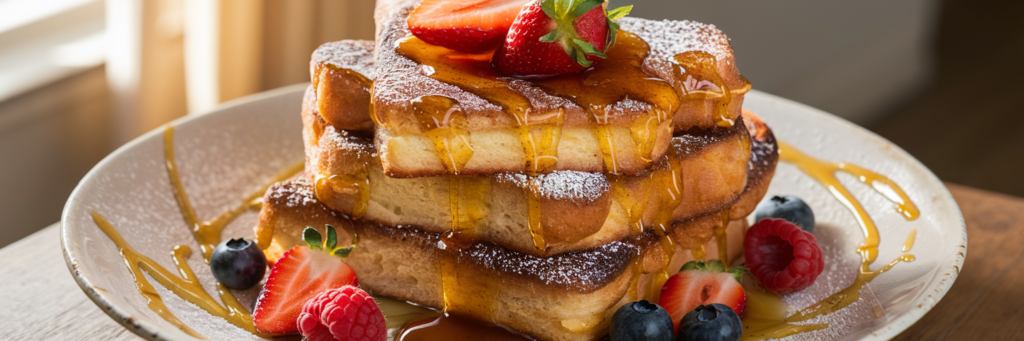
<point>300,274</point>
<point>556,37</point>
<point>699,283</point>
<point>468,25</point>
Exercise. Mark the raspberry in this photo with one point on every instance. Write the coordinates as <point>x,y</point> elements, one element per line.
<point>347,314</point>
<point>781,256</point>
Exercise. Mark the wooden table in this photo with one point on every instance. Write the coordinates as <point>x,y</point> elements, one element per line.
<point>39,300</point>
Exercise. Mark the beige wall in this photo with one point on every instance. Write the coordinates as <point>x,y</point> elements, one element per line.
<point>49,139</point>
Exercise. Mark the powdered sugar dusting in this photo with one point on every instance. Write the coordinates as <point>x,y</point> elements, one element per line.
<point>344,140</point>
<point>562,185</point>
<point>667,38</point>
<point>585,270</point>
<point>355,55</point>
<point>297,192</point>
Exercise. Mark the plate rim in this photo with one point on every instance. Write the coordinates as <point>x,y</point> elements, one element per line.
<point>149,331</point>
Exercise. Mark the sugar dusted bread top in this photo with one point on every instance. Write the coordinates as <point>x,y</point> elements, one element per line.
<point>630,115</point>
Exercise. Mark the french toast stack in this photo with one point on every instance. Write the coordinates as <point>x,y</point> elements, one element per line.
<point>538,204</point>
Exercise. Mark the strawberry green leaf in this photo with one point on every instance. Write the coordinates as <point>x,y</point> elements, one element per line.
<point>715,266</point>
<point>549,8</point>
<point>551,37</point>
<point>343,252</point>
<point>332,238</point>
<point>580,58</point>
<point>312,237</point>
<point>737,272</point>
<point>691,265</point>
<point>618,13</point>
<point>589,49</point>
<point>613,29</point>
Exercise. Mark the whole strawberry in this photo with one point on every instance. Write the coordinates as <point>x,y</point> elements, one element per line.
<point>556,37</point>
<point>700,283</point>
<point>347,314</point>
<point>303,272</point>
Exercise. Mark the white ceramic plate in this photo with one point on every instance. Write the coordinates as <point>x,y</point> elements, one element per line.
<point>227,153</point>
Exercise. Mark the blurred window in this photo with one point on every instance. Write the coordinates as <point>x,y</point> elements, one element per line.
<point>48,40</point>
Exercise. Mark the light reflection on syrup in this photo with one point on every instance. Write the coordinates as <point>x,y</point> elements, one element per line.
<point>909,243</point>
<point>824,172</point>
<point>207,234</point>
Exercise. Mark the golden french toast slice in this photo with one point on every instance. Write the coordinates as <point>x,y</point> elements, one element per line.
<point>443,112</point>
<point>540,215</point>
<point>570,296</point>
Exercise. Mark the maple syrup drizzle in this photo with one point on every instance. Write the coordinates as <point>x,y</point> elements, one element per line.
<point>533,214</point>
<point>355,185</point>
<point>539,133</point>
<point>612,81</point>
<point>699,253</point>
<point>702,81</point>
<point>824,173</point>
<point>909,244</point>
<point>455,328</point>
<point>324,69</point>
<point>207,235</point>
<point>443,121</point>
<point>722,238</point>
<point>467,196</point>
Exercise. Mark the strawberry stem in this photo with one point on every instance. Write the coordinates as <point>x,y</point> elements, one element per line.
<point>564,13</point>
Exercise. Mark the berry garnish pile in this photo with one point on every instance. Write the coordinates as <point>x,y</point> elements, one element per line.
<point>347,313</point>
<point>781,256</point>
<point>702,283</point>
<point>303,272</point>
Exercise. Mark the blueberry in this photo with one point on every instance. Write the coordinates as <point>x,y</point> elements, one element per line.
<point>712,322</point>
<point>789,208</point>
<point>641,320</point>
<point>238,264</point>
